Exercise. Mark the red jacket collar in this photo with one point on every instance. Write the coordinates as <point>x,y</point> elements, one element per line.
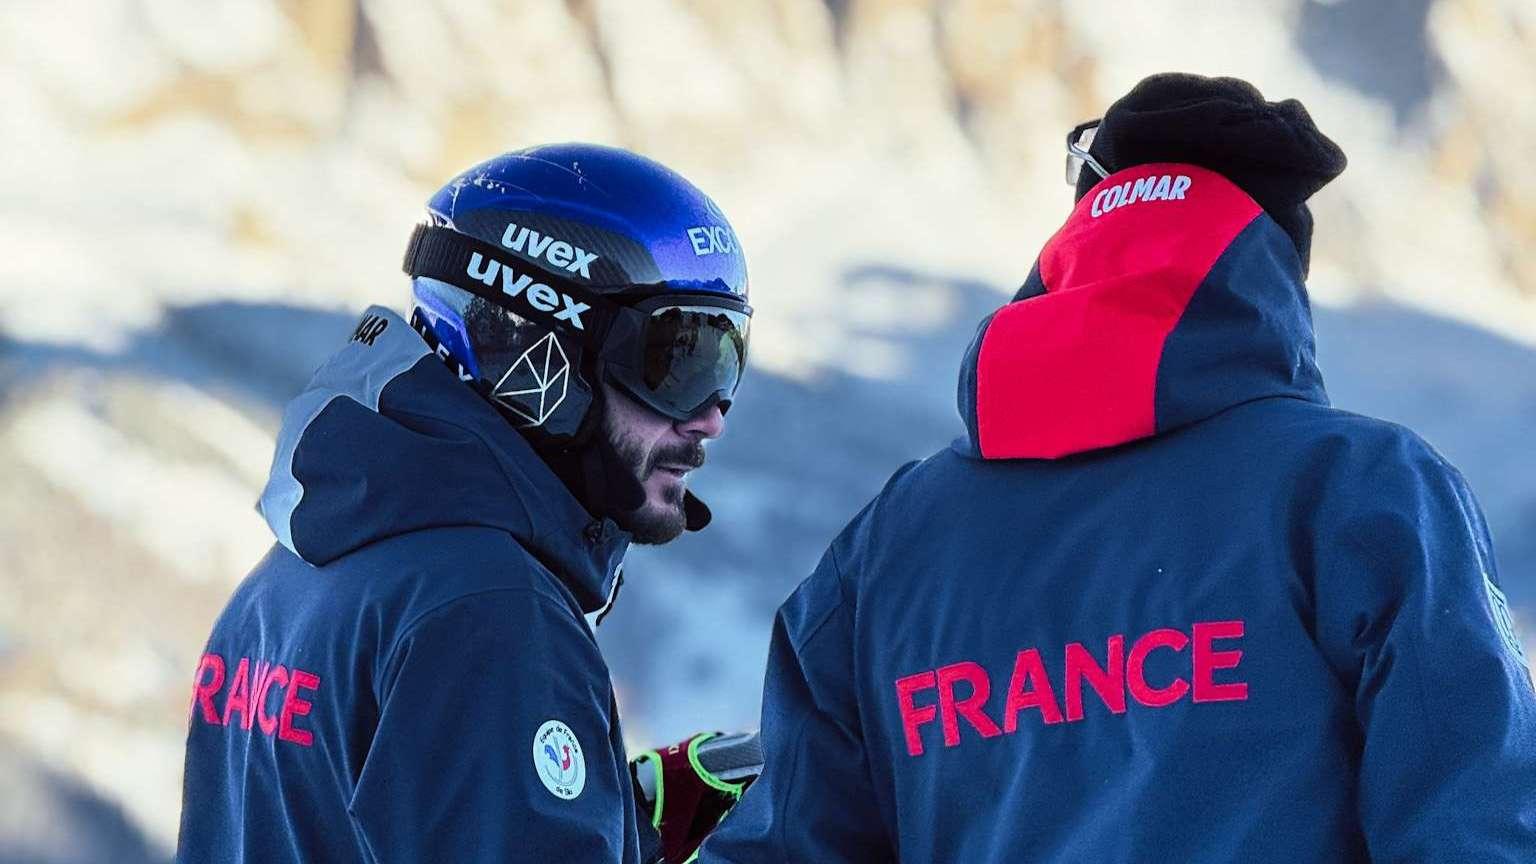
<point>1168,296</point>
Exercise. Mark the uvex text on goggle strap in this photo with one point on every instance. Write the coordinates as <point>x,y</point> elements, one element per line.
<point>679,353</point>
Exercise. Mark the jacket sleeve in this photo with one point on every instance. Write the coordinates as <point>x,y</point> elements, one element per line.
<point>469,700</point>
<point>814,800</point>
<point>1410,612</point>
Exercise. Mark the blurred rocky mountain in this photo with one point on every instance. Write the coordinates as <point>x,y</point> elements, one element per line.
<point>199,196</point>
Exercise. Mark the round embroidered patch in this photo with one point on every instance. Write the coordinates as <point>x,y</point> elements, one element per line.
<point>557,757</point>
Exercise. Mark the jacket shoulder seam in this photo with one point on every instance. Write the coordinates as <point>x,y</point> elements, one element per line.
<point>826,615</point>
<point>442,606</point>
<point>390,656</point>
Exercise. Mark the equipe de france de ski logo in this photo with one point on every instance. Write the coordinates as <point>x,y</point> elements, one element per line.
<point>557,757</point>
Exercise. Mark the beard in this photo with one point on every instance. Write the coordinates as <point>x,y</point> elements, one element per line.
<point>654,523</point>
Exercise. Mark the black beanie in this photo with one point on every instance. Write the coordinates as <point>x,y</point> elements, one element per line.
<point>1272,150</point>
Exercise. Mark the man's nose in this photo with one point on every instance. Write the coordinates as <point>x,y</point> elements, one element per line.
<point>706,424</point>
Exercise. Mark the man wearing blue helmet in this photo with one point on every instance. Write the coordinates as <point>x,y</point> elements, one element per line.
<point>410,674</point>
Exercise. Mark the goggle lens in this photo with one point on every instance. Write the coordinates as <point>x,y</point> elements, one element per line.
<point>690,355</point>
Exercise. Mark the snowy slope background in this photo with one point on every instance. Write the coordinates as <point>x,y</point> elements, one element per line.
<point>199,198</point>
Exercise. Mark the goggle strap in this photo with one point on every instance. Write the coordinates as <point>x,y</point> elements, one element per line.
<point>444,254</point>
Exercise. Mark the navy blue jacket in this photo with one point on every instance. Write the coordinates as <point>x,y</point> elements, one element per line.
<point>408,675</point>
<point>1163,603</point>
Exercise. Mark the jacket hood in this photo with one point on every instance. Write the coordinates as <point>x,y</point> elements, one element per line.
<point>1167,297</point>
<point>385,440</point>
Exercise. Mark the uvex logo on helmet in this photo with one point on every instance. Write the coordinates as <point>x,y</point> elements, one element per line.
<point>557,252</point>
<point>539,295</point>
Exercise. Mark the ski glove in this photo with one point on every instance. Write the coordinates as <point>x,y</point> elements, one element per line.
<point>683,799</point>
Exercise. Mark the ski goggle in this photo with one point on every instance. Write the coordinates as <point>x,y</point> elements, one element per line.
<point>679,354</point>
<point>1078,142</point>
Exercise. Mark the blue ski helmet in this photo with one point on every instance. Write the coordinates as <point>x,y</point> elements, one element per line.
<point>542,271</point>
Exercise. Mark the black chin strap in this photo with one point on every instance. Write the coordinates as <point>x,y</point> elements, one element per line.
<point>608,486</point>
<point>695,512</point>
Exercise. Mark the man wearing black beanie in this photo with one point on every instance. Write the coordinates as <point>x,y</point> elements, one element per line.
<point>1162,602</point>
<point>1271,150</point>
